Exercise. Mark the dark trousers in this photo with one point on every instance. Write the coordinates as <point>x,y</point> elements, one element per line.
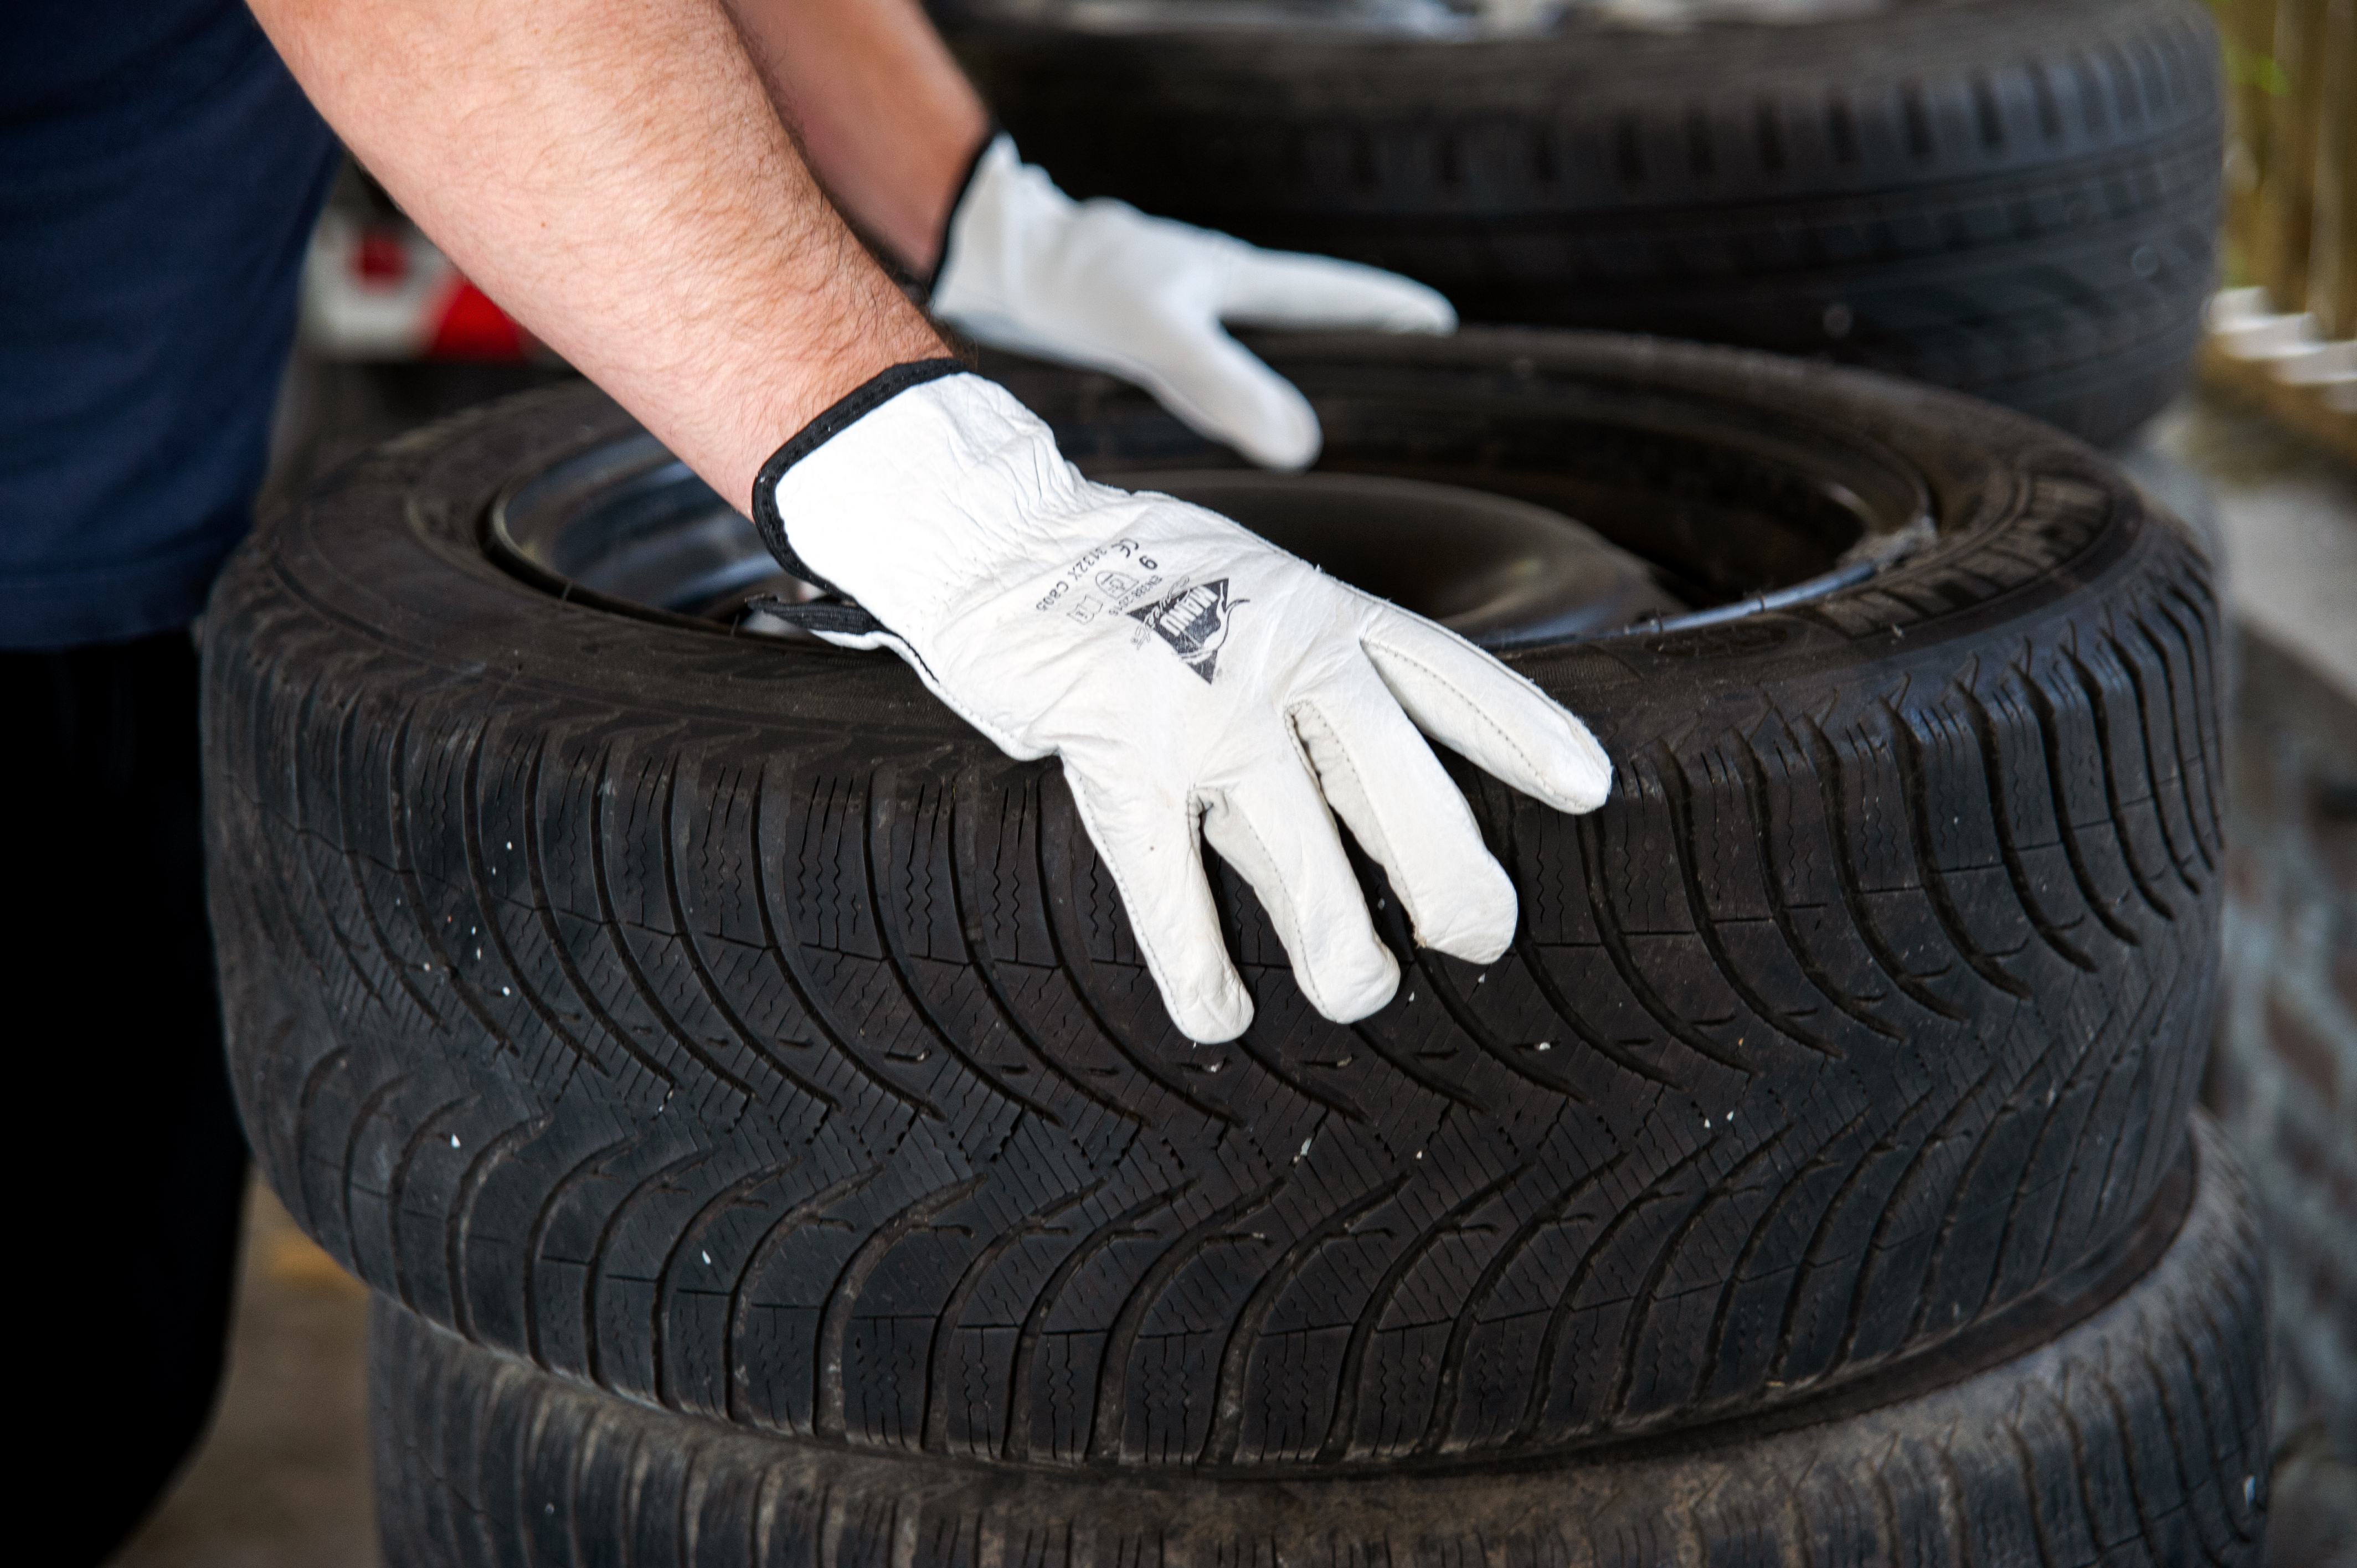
<point>127,1231</point>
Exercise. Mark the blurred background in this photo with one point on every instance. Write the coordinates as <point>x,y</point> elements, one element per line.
<point>2253,444</point>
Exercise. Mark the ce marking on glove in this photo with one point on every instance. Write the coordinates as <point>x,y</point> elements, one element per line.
<point>1125,573</point>
<point>1191,617</point>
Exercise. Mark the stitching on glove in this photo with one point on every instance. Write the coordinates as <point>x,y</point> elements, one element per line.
<point>1079,786</point>
<point>1471,707</point>
<point>864,399</point>
<point>843,619</point>
<point>1380,852</point>
<point>1309,984</point>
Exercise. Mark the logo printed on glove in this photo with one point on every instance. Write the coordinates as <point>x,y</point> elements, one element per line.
<point>1194,622</point>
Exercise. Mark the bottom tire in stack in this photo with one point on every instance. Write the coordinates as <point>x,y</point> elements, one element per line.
<point>2133,1429</point>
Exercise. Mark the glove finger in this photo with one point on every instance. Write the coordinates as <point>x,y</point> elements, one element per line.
<point>1221,389</point>
<point>1484,712</point>
<point>1159,867</point>
<point>1282,288</point>
<point>1273,828</point>
<point>1383,779</point>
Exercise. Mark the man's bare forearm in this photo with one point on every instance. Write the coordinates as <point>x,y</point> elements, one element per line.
<point>886,117</point>
<point>613,173</point>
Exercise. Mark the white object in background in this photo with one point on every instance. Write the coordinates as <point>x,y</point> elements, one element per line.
<point>378,289</point>
<point>370,292</point>
<point>1685,14</point>
<point>1100,285</point>
<point>2243,327</point>
<point>1199,685</point>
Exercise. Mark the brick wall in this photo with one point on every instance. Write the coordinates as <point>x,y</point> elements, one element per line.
<point>2284,1076</point>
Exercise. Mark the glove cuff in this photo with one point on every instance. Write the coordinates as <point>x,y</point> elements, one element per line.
<point>1007,213</point>
<point>862,398</point>
<point>924,494</point>
<point>991,137</point>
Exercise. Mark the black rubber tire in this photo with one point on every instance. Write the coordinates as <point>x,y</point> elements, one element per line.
<point>2137,1435</point>
<point>727,1026</point>
<point>2017,199</point>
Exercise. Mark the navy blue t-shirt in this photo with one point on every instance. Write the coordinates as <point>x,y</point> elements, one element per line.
<point>160,175</point>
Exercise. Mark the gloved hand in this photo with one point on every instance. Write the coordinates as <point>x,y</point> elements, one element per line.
<point>1199,684</point>
<point>1099,283</point>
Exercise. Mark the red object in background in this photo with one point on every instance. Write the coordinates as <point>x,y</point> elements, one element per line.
<point>381,257</point>
<point>472,327</point>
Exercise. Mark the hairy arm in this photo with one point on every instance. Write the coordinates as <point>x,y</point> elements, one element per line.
<point>612,172</point>
<point>886,119</point>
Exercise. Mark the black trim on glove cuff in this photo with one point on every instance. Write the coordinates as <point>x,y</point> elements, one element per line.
<point>817,615</point>
<point>862,398</point>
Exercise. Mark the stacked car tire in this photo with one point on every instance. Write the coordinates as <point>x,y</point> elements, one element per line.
<point>2017,199</point>
<point>739,1085</point>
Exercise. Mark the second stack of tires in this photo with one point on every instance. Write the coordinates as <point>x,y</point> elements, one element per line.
<point>2017,199</point>
<point>739,1085</point>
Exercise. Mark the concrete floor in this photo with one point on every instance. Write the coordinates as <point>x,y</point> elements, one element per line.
<point>282,1481</point>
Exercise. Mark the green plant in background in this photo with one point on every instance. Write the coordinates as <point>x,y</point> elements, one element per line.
<point>2247,68</point>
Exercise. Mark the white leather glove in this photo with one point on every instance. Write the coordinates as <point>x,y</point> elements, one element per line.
<point>1099,283</point>
<point>1197,682</point>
